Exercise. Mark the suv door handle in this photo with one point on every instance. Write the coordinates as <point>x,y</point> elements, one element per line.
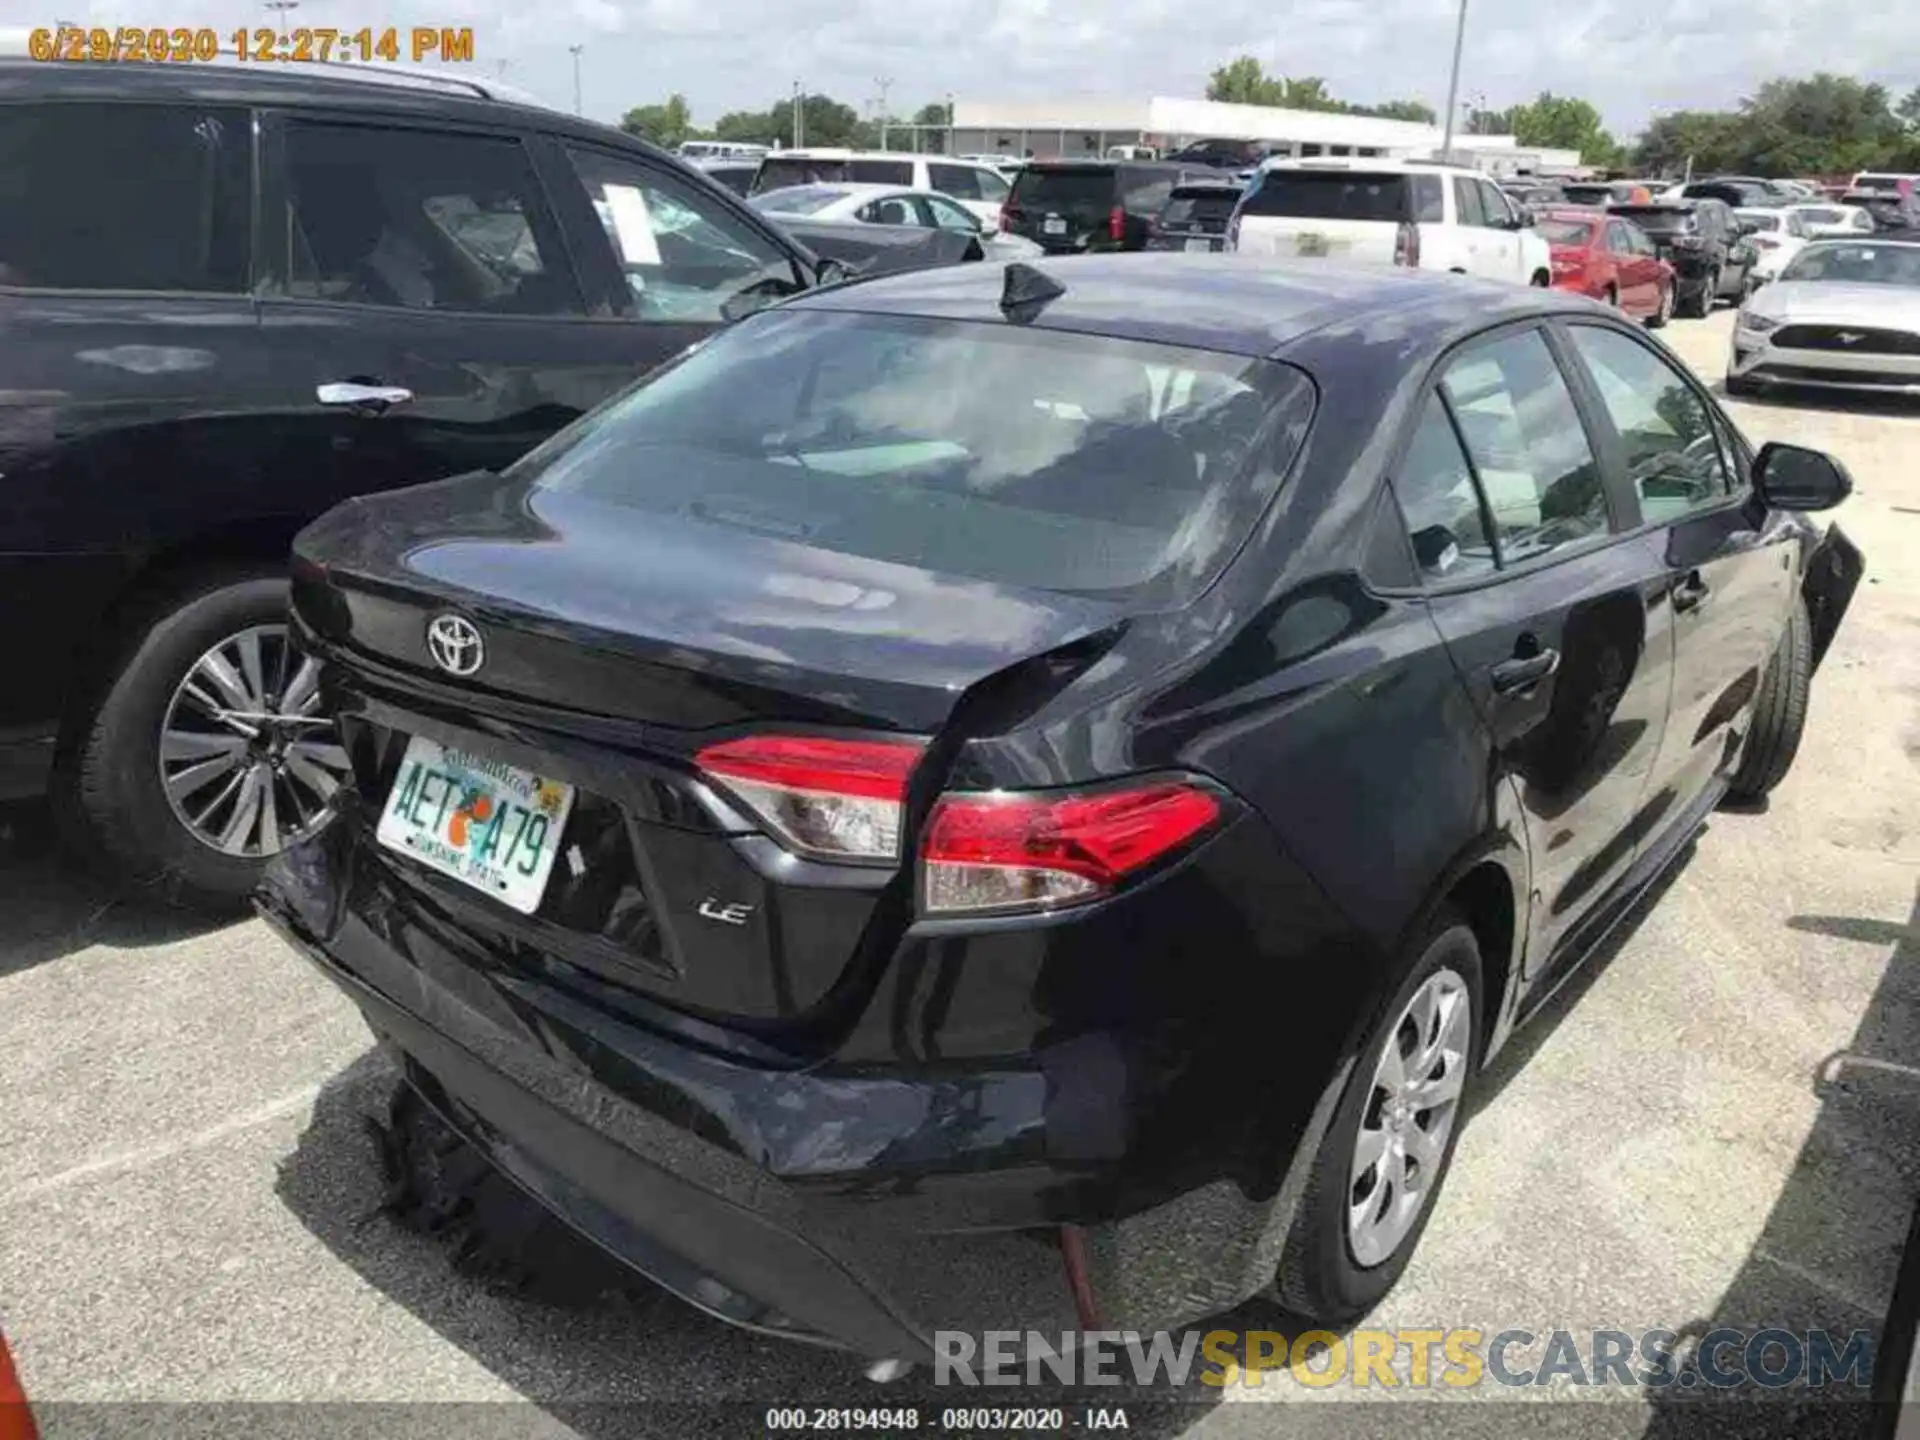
<point>1689,594</point>
<point>1523,671</point>
<point>352,392</point>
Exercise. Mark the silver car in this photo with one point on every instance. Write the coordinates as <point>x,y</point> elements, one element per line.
<point>1844,314</point>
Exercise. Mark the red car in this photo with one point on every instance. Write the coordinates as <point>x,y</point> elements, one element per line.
<point>1610,259</point>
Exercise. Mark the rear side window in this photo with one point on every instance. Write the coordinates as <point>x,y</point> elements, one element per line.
<point>1012,455</point>
<point>1572,232</point>
<point>962,182</point>
<point>1441,504</point>
<point>1330,195</point>
<point>125,197</point>
<point>420,221</point>
<point>1529,449</point>
<point>880,172</point>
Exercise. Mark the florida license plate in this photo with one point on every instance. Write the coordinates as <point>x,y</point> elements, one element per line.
<point>1311,244</point>
<point>490,825</point>
<point>1053,225</point>
<point>1204,246</point>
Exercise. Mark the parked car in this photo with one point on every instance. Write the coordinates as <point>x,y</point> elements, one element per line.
<point>1886,209</point>
<point>1608,192</point>
<point>1734,193</point>
<point>1220,154</point>
<point>885,205</point>
<point>698,151</point>
<point>791,809</point>
<point>1702,242</point>
<point>1195,217</point>
<point>431,281</point>
<point>1070,206</point>
<point>1610,260</point>
<point>1819,219</point>
<point>1533,194</point>
<point>1391,212</point>
<point>1844,314</point>
<point>1776,236</point>
<point>1886,182</point>
<point>981,188</point>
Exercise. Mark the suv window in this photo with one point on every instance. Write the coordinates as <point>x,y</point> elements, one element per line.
<point>1440,502</point>
<point>880,172</point>
<point>1330,195</point>
<point>1497,208</point>
<point>1529,449</point>
<point>1429,199</point>
<point>422,221</point>
<point>1143,192</point>
<point>962,182</point>
<point>1079,192</point>
<point>125,197</point>
<point>1672,448</point>
<point>684,253</point>
<point>1466,201</point>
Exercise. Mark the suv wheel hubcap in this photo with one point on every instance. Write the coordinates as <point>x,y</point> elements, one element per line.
<point>1409,1114</point>
<point>247,762</point>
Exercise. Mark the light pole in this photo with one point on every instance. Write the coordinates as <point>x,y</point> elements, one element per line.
<point>280,7</point>
<point>799,102</point>
<point>1453,81</point>
<point>885,82</point>
<point>575,50</point>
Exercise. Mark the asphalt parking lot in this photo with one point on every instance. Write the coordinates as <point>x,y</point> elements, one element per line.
<point>1711,1127</point>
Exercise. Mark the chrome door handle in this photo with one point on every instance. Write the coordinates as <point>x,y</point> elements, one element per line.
<point>349,392</point>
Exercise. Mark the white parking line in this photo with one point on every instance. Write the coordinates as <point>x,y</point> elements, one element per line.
<point>130,1159</point>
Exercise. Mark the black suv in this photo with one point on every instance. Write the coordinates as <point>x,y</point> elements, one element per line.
<point>1704,243</point>
<point>231,299</point>
<point>1068,206</point>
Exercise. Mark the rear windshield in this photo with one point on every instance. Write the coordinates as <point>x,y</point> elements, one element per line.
<point>1071,190</point>
<point>780,171</point>
<point>1877,182</point>
<point>1033,458</point>
<point>1760,219</point>
<point>1330,195</point>
<point>1196,207</point>
<point>1567,232</point>
<point>1655,217</point>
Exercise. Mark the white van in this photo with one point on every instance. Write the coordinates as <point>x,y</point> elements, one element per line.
<point>719,150</point>
<point>1390,212</point>
<point>981,188</point>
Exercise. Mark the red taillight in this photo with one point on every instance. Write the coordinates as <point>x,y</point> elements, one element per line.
<point>1010,851</point>
<point>1406,245</point>
<point>1117,223</point>
<point>831,799</point>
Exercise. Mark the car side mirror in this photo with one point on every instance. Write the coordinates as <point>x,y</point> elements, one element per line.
<point>832,272</point>
<point>1526,218</point>
<point>1436,548</point>
<point>1792,477</point>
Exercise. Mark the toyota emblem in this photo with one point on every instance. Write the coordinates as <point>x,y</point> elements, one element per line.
<point>455,644</point>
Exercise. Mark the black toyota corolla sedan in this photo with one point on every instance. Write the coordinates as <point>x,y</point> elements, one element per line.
<point>1025,796</point>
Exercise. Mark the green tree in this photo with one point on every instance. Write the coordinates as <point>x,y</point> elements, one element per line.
<point>932,117</point>
<point>1821,125</point>
<point>1706,137</point>
<point>1241,81</point>
<point>1416,110</point>
<point>666,124</point>
<point>1561,122</point>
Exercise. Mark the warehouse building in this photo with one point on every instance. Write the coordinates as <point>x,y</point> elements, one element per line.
<point>1083,126</point>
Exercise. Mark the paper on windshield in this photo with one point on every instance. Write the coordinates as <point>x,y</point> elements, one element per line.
<point>633,223</point>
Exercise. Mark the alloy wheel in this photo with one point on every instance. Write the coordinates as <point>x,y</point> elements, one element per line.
<point>247,761</point>
<point>1409,1115</point>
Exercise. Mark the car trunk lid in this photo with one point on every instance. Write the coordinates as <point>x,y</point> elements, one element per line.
<point>1353,215</point>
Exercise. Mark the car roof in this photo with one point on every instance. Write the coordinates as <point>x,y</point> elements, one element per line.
<point>1379,164</point>
<point>835,152</point>
<point>1241,304</point>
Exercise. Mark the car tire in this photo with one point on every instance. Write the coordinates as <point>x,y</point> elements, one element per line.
<point>1663,312</point>
<point>1699,304</point>
<point>1740,385</point>
<point>1779,712</point>
<point>1611,299</point>
<point>1321,1277</point>
<point>109,797</point>
<point>1541,280</point>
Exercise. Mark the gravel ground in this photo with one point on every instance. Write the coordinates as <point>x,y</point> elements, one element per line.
<point>189,1202</point>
